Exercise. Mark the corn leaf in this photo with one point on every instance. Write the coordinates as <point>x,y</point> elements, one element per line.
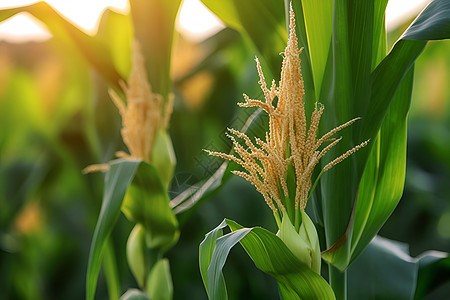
<point>111,272</point>
<point>117,180</point>
<point>137,256</point>
<point>344,92</point>
<point>262,23</point>
<point>115,31</point>
<point>147,202</point>
<point>433,276</point>
<point>154,23</point>
<point>385,123</point>
<point>318,17</point>
<point>134,294</point>
<point>391,157</point>
<point>390,271</point>
<point>159,283</point>
<point>226,11</point>
<point>135,187</point>
<point>95,52</point>
<point>432,24</point>
<point>270,255</point>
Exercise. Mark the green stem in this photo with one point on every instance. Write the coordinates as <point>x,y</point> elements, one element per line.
<point>311,190</point>
<point>287,4</point>
<point>277,219</point>
<point>338,282</point>
<point>298,218</point>
<point>111,272</point>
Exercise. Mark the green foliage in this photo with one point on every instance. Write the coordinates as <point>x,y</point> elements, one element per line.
<point>117,180</point>
<point>262,22</point>
<point>398,276</point>
<point>49,133</point>
<point>134,187</point>
<point>134,294</point>
<point>159,283</point>
<point>269,253</point>
<point>154,23</point>
<point>386,79</point>
<point>138,260</point>
<point>353,77</point>
<point>146,202</point>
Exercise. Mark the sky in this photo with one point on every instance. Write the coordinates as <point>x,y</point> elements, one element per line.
<point>194,21</point>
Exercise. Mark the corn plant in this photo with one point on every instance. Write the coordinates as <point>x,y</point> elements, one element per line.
<point>137,183</point>
<point>348,80</point>
<point>346,67</point>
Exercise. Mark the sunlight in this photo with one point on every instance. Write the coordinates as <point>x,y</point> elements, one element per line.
<point>23,27</point>
<point>84,13</point>
<point>399,11</point>
<point>195,22</point>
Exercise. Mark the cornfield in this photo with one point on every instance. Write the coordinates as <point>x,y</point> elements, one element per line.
<point>119,153</point>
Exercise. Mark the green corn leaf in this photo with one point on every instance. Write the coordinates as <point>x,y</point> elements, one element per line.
<point>388,270</point>
<point>432,24</point>
<point>269,253</point>
<point>358,43</point>
<point>262,22</point>
<point>137,254</point>
<point>159,283</point>
<point>147,203</point>
<point>115,31</point>
<point>117,180</point>
<point>135,187</point>
<point>95,52</point>
<point>385,123</point>
<point>163,156</point>
<point>390,178</point>
<point>226,11</point>
<point>433,273</point>
<point>154,23</point>
<point>206,250</point>
<point>111,272</point>
<point>134,294</point>
<point>382,183</point>
<point>318,17</point>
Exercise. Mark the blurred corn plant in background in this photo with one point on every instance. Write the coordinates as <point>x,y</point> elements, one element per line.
<point>345,67</point>
<point>138,183</point>
<point>57,118</point>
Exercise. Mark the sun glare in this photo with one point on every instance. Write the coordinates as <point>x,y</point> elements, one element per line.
<point>23,27</point>
<point>195,21</point>
<point>84,13</point>
<point>400,11</point>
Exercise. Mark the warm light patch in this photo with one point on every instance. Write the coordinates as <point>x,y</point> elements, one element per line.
<point>23,27</point>
<point>29,219</point>
<point>196,22</point>
<point>84,13</point>
<point>400,11</point>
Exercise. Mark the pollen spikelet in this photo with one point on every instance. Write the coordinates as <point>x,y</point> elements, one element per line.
<point>345,155</point>
<point>289,141</point>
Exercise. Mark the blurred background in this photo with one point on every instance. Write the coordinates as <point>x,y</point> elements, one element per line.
<point>56,118</point>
